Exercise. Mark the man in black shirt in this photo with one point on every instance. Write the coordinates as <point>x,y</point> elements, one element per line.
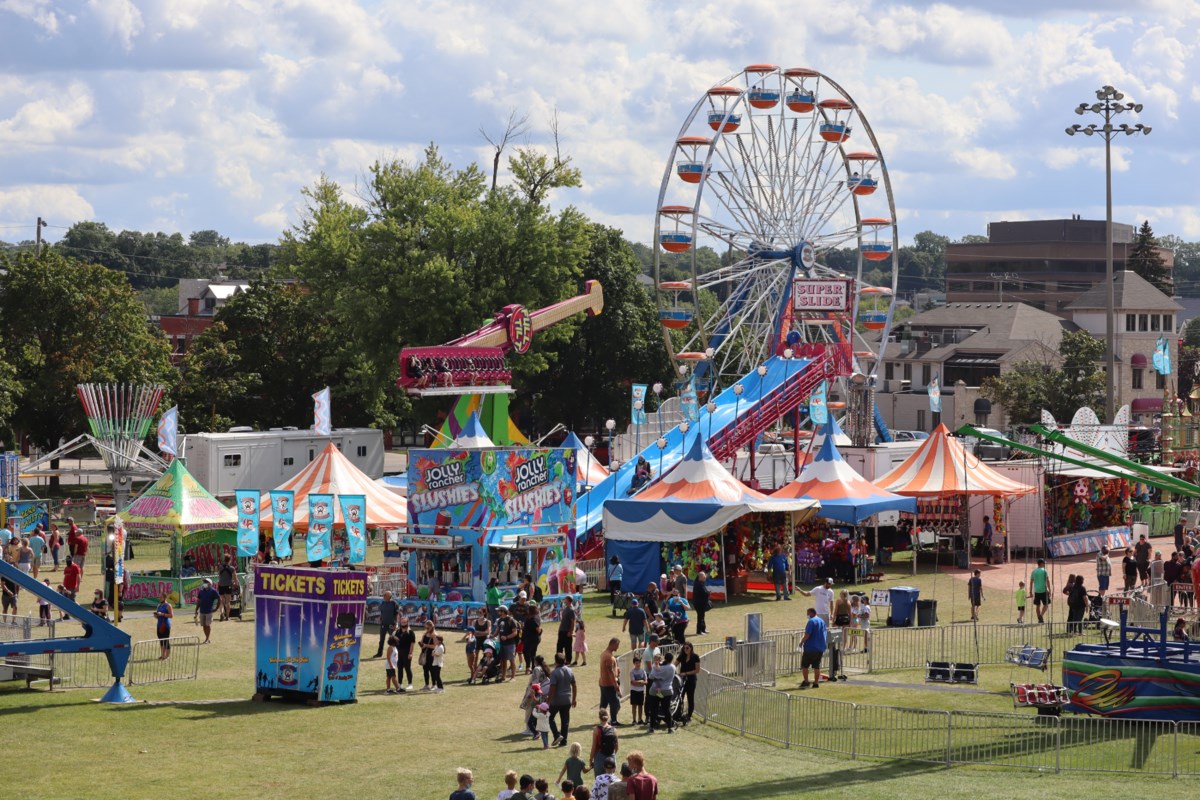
<point>531,636</point>
<point>408,640</point>
<point>389,612</point>
<point>566,628</point>
<point>507,631</point>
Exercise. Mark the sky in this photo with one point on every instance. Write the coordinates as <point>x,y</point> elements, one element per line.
<point>184,115</point>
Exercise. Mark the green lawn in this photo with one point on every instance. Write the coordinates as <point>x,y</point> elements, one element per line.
<point>205,738</point>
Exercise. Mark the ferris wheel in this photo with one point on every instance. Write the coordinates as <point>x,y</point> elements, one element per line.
<point>778,172</point>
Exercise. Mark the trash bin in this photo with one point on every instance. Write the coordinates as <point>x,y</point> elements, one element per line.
<point>885,556</point>
<point>904,601</point>
<point>962,559</point>
<point>926,613</point>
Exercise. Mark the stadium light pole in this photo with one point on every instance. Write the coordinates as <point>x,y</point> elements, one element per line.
<point>1108,105</point>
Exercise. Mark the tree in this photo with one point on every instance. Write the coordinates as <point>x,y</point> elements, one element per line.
<point>606,353</point>
<point>1146,261</point>
<point>1061,382</point>
<point>1186,272</point>
<point>64,322</point>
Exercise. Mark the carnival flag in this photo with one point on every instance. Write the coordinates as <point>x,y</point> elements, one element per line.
<point>639,404</point>
<point>935,395</point>
<point>319,542</point>
<point>322,422</point>
<point>283,508</point>
<point>1162,356</point>
<point>354,516</point>
<point>247,514</point>
<point>168,431</point>
<point>817,410</point>
<point>689,404</point>
<point>118,549</point>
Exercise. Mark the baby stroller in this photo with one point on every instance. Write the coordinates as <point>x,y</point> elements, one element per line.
<point>1095,609</point>
<point>674,707</point>
<point>487,667</point>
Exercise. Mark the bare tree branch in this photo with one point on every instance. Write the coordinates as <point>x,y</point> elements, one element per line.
<point>515,127</point>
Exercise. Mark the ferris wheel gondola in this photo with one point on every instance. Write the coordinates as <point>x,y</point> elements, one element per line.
<point>762,172</point>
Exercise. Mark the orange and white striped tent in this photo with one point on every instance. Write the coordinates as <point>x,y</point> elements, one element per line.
<point>333,473</point>
<point>941,467</point>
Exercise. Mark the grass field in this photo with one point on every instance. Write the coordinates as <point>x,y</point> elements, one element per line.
<point>205,738</point>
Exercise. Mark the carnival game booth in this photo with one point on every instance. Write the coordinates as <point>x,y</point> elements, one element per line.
<point>847,500</point>
<point>944,477</point>
<point>478,514</point>
<point>199,530</point>
<point>679,520</point>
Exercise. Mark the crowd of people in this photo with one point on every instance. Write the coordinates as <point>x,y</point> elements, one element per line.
<point>612,779</point>
<point>30,554</point>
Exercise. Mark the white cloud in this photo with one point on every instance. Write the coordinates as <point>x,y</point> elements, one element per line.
<point>984,163</point>
<point>50,119</point>
<point>39,12</point>
<point>120,18</point>
<point>49,201</point>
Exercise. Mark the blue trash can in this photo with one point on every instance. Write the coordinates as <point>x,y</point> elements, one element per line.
<point>904,605</point>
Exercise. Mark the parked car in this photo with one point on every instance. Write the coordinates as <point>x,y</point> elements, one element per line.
<point>905,436</point>
<point>985,450</point>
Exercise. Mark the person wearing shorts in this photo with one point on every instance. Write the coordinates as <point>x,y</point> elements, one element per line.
<point>206,603</point>
<point>1041,589</point>
<point>507,632</point>
<point>637,691</point>
<point>812,648</point>
<point>225,581</point>
<point>162,627</point>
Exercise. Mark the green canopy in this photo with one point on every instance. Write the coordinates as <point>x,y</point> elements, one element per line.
<point>177,502</point>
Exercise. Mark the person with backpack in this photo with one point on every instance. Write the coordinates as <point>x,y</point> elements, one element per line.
<point>605,744</point>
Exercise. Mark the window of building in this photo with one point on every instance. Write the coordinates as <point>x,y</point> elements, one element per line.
<point>289,461</point>
<point>1143,322</point>
<point>311,455</point>
<point>1130,323</point>
<point>233,460</point>
<point>210,302</point>
<point>920,419</point>
<point>908,372</point>
<point>1167,326</point>
<point>889,371</point>
<point>1154,322</point>
<point>361,451</point>
<point>1160,381</point>
<point>926,374</point>
<point>1137,378</point>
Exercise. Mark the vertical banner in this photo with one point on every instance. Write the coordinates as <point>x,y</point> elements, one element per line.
<point>118,549</point>
<point>817,410</point>
<point>638,406</point>
<point>319,542</point>
<point>688,403</point>
<point>322,422</point>
<point>935,395</point>
<point>354,517</point>
<point>168,431</point>
<point>283,508</point>
<point>1162,356</point>
<point>247,527</point>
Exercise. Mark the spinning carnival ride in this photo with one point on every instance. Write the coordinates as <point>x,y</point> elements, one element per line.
<point>779,172</point>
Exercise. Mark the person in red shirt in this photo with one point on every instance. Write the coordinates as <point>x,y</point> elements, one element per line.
<point>72,576</point>
<point>81,548</point>
<point>641,785</point>
<point>72,536</point>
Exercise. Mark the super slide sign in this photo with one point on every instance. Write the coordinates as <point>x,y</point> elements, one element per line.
<point>821,294</point>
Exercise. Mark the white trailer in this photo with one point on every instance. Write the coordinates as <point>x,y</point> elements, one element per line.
<point>225,462</point>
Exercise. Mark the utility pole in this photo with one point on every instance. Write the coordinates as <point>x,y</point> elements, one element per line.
<point>41,223</point>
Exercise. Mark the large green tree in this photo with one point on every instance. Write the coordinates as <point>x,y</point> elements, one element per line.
<point>65,322</point>
<point>1145,260</point>
<point>1061,382</point>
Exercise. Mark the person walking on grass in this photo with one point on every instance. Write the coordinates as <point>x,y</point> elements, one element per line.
<point>566,628</point>
<point>1141,556</point>
<point>779,574</point>
<point>389,613</point>
<point>641,785</point>
<point>812,647</point>
<point>975,594</point>
<point>605,744</point>
<point>37,543</point>
<point>610,680</point>
<point>1040,580</point>
<point>393,661</point>
<point>579,645</point>
<point>1021,600</point>
<point>206,603</point>
<point>563,697</point>
<point>574,766</point>
<point>163,614</point>
<point>55,544</point>
<point>226,580</point>
<point>1077,600</point>
<point>635,621</point>
<point>822,600</point>
<point>701,602</point>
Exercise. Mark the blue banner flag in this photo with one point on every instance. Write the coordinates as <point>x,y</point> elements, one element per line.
<point>283,510</point>
<point>935,395</point>
<point>247,526</point>
<point>1162,356</point>
<point>319,542</point>
<point>817,410</point>
<point>689,404</point>
<point>638,416</point>
<point>354,516</point>
<point>168,431</point>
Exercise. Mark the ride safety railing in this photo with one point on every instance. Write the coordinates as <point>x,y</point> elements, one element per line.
<point>949,738</point>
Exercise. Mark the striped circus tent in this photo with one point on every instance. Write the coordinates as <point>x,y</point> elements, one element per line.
<point>333,473</point>
<point>588,471</point>
<point>941,468</point>
<point>844,495</point>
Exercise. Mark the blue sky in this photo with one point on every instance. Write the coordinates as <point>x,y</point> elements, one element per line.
<point>183,115</point>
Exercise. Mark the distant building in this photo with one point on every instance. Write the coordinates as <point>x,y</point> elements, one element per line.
<point>199,300</point>
<point>963,344</point>
<point>1045,263</point>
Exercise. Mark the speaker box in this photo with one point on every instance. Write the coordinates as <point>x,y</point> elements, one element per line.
<point>938,672</point>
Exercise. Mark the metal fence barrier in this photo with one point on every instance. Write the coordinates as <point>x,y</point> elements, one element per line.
<point>81,671</point>
<point>146,666</point>
<point>1016,740</point>
<point>593,570</point>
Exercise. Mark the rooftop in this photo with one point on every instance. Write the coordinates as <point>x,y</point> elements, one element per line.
<point>1130,291</point>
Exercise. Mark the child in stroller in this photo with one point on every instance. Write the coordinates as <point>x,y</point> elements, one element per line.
<point>662,625</point>
<point>664,700</point>
<point>1095,609</point>
<point>487,667</point>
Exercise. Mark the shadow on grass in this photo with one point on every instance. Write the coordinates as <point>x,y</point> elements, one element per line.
<point>797,785</point>
<point>210,709</point>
